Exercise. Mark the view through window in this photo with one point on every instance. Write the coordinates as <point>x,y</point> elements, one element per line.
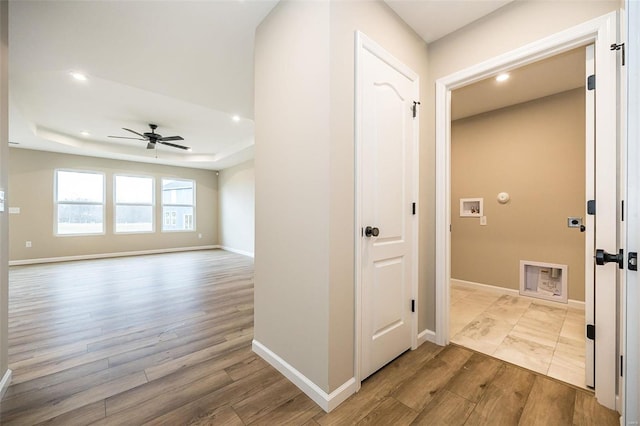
<point>134,204</point>
<point>79,202</point>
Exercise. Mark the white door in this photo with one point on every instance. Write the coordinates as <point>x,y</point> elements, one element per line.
<point>607,220</point>
<point>386,153</point>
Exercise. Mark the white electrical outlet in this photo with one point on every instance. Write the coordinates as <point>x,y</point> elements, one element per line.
<point>27,244</point>
<point>483,220</point>
<point>199,235</point>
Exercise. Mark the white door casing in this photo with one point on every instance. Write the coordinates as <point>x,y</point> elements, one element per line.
<point>386,144</point>
<point>602,32</point>
<point>631,339</point>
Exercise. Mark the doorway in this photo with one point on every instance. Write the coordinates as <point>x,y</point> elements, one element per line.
<point>602,32</point>
<point>518,262</point>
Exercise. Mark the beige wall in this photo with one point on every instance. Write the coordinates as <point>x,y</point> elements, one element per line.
<point>4,220</point>
<point>292,186</point>
<point>536,152</point>
<point>32,187</point>
<point>509,28</point>
<point>305,178</point>
<point>236,206</point>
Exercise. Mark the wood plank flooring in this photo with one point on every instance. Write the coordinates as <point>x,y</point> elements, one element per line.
<point>166,340</point>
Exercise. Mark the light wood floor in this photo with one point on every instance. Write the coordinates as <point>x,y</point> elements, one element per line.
<point>166,340</point>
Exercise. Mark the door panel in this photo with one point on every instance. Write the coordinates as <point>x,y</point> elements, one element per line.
<point>385,183</point>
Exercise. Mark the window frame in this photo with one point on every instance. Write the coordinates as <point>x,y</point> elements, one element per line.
<point>174,217</point>
<point>56,203</point>
<point>116,204</point>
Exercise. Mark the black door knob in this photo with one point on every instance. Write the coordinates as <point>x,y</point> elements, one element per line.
<point>603,257</point>
<point>371,232</point>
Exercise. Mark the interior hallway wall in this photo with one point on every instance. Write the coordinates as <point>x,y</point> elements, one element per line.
<point>534,151</point>
<point>236,205</point>
<point>304,166</point>
<point>506,29</point>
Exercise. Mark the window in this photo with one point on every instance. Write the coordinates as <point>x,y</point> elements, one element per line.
<point>133,204</point>
<point>79,199</point>
<point>178,201</point>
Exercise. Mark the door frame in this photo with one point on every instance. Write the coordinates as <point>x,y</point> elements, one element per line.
<point>631,329</point>
<point>362,42</point>
<point>602,32</point>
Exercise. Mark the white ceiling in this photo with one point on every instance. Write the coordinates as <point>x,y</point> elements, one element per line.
<point>185,66</point>
<point>433,19</point>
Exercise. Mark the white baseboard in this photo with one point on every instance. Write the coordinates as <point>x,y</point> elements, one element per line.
<point>326,401</point>
<point>512,292</point>
<point>108,255</point>
<point>242,252</point>
<point>5,382</point>
<point>426,336</point>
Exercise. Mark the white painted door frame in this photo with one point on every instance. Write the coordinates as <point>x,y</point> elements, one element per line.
<point>631,321</point>
<point>363,42</point>
<point>602,32</point>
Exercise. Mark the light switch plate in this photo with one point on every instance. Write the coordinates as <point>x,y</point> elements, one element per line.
<point>483,220</point>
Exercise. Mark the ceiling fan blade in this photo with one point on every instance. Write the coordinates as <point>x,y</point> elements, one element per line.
<point>133,131</point>
<point>174,145</point>
<point>172,138</point>
<point>151,145</point>
<point>124,137</point>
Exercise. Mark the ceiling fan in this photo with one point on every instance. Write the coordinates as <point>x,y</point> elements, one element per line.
<point>152,138</point>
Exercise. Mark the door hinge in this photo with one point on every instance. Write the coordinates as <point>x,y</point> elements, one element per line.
<point>413,305</point>
<point>632,262</point>
<point>413,208</point>
<point>591,82</point>
<point>415,108</point>
<point>621,366</point>
<point>620,46</point>
<point>591,207</point>
<point>591,332</point>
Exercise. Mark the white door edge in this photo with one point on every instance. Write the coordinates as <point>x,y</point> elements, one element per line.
<point>601,31</point>
<point>362,42</point>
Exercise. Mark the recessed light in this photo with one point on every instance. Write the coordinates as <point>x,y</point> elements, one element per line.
<point>502,77</point>
<point>236,118</point>
<point>85,133</point>
<point>78,76</point>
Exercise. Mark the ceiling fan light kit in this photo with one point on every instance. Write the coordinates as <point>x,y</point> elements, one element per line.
<point>152,138</point>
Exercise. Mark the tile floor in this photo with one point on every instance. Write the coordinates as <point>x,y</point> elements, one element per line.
<point>542,336</point>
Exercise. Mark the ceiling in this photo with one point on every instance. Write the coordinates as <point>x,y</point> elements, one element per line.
<point>185,66</point>
<point>553,75</point>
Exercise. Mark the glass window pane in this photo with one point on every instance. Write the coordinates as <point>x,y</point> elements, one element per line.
<point>80,187</point>
<point>134,190</point>
<point>80,219</point>
<point>177,218</point>
<point>176,191</point>
<point>134,218</point>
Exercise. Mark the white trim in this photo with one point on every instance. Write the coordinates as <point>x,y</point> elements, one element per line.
<point>362,42</point>
<point>238,251</point>
<point>326,401</point>
<point>426,336</point>
<point>108,255</point>
<point>577,304</point>
<point>631,318</point>
<point>600,31</point>
<point>5,382</point>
